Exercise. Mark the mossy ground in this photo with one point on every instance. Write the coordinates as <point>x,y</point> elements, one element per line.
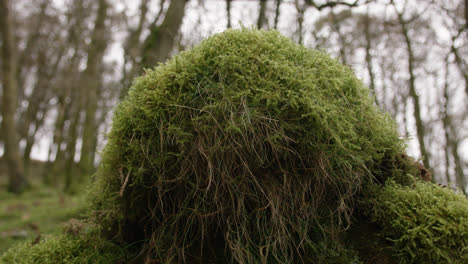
<point>68,248</point>
<point>43,225</point>
<point>38,211</point>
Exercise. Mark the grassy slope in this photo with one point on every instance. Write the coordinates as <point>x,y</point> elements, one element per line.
<point>41,210</point>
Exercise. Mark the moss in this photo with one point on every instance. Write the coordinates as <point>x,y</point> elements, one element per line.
<point>67,249</point>
<point>247,136</point>
<point>423,223</point>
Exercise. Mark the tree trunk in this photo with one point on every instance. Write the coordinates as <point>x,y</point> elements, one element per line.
<point>451,141</point>
<point>133,48</point>
<point>462,67</point>
<point>300,9</point>
<point>447,159</point>
<point>277,14</point>
<point>460,177</point>
<point>384,84</point>
<point>420,130</point>
<point>38,101</point>
<point>31,139</point>
<point>335,23</point>
<point>261,21</point>
<point>66,159</point>
<point>396,100</point>
<point>56,162</point>
<point>17,181</point>
<point>91,80</point>
<point>228,12</point>
<point>370,69</point>
<point>70,151</point>
<point>466,14</point>
<point>159,43</point>
<point>446,125</point>
<point>25,59</point>
<point>404,101</point>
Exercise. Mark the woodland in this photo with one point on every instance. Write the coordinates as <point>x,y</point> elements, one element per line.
<point>119,118</point>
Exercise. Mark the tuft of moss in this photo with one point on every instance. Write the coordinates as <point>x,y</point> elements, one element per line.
<point>424,222</point>
<point>247,147</point>
<point>65,248</point>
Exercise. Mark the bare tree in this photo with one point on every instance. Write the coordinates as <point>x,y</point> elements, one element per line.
<point>466,14</point>
<point>70,150</point>
<point>332,4</point>
<point>17,181</point>
<point>33,118</point>
<point>67,90</point>
<point>262,19</point>
<point>370,69</point>
<point>26,56</point>
<point>452,142</point>
<point>462,65</point>
<point>420,129</point>
<point>277,13</point>
<point>133,46</point>
<point>336,24</point>
<point>300,9</point>
<point>446,121</point>
<point>160,42</point>
<point>228,12</point>
<point>91,82</point>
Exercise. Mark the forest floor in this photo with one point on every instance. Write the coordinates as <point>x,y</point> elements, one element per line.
<point>38,211</point>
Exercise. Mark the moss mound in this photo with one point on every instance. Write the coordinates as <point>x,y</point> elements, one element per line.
<point>66,249</point>
<point>247,147</point>
<point>424,223</point>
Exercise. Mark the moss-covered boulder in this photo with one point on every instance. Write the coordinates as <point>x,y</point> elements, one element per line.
<point>247,147</point>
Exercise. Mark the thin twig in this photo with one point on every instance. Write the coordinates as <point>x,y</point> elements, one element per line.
<point>122,189</point>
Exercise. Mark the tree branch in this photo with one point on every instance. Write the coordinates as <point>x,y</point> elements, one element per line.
<point>331,4</point>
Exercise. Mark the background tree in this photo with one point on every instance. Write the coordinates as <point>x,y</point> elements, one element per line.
<point>69,77</point>
<point>420,128</point>
<point>158,44</point>
<point>91,81</point>
<point>17,181</point>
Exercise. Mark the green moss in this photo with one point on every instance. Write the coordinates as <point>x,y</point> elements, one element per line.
<point>424,223</point>
<point>248,139</point>
<point>66,249</point>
